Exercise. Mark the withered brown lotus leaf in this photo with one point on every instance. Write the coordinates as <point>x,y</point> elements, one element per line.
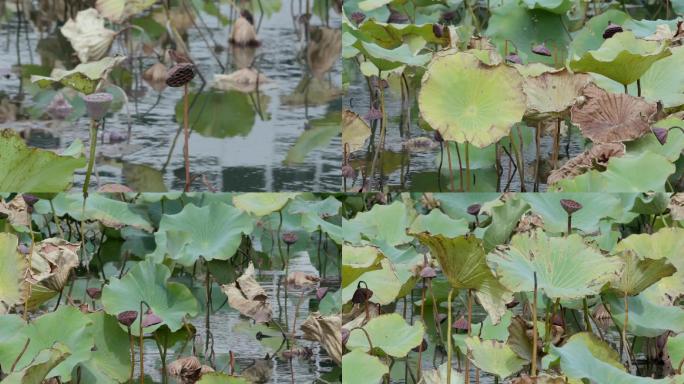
<point>611,117</point>
<point>554,92</point>
<point>596,156</point>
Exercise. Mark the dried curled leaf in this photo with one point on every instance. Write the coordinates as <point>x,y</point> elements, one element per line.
<point>188,369</point>
<point>301,279</point>
<point>327,331</point>
<point>596,156</point>
<point>52,261</point>
<point>248,297</point>
<point>677,206</point>
<point>244,80</point>
<point>15,211</point>
<point>88,35</point>
<point>355,131</point>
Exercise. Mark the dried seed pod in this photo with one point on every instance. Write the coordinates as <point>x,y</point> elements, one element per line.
<point>127,318</point>
<point>94,293</point>
<point>428,272</point>
<point>611,30</point>
<point>460,324</point>
<point>180,74</point>
<point>542,50</point>
<point>474,209</point>
<point>348,171</point>
<point>661,135</point>
<point>570,206</point>
<point>361,295</point>
<point>290,238</point>
<point>97,104</point>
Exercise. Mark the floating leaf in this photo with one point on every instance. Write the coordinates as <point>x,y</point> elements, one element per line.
<point>389,334</point>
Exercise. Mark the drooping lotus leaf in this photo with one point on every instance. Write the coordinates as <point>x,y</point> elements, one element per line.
<point>213,232</point>
<point>667,290</point>
<point>494,357</point>
<point>148,281</point>
<point>262,204</point>
<point>596,156</point>
<point>553,93</point>
<point>358,260</point>
<point>13,269</point>
<point>664,82</point>
<point>586,357</point>
<point>468,101</point>
<point>75,332</point>
<point>566,267</point>
<point>390,334</point>
<point>88,35</point>
<point>595,206</point>
<point>119,10</point>
<point>84,78</point>
<point>41,365</point>
<point>613,117</point>
<point>464,264</point>
<point>325,330</point>
<point>667,243</point>
<point>456,204</point>
<point>623,58</point>
<point>248,297</point>
<point>355,131</point>
<point>51,264</point>
<point>99,207</point>
<point>360,367</point>
<point>221,378</point>
<point>385,222</point>
<point>388,59</point>
<point>384,282</point>
<point>555,6</point>
<point>640,273</point>
<point>437,223</point>
<point>505,217</point>
<point>391,35</point>
<point>653,171</point>
<point>32,169</point>
<point>646,318</point>
<point>109,361</point>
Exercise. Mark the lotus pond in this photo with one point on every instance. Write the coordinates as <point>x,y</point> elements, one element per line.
<point>515,288</point>
<point>170,288</point>
<point>513,95</point>
<point>263,107</point>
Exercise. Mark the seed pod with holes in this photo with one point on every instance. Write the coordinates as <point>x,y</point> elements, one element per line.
<point>97,104</point>
<point>570,206</point>
<point>180,74</point>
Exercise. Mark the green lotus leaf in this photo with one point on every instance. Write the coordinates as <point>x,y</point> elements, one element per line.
<point>221,378</point>
<point>590,37</point>
<point>358,260</point>
<point>585,357</point>
<point>355,131</point>
<point>213,232</point>
<point>437,223</point>
<point>555,6</point>
<point>653,170</point>
<point>623,58</point>
<point>119,10</point>
<point>148,281</point>
<point>84,77</point>
<point>388,59</point>
<point>464,264</point>
<point>314,214</point>
<point>675,349</point>
<point>262,204</point>
<point>390,334</point>
<point>640,273</point>
<point>664,82</point>
<point>505,217</point>
<point>384,222</point>
<point>553,93</point>
<point>360,367</point>
<point>646,318</point>
<point>383,281</point>
<point>524,28</point>
<point>110,361</point>
<point>667,243</point>
<point>456,204</point>
<point>75,332</point>
<point>99,207</point>
<point>468,101</point>
<point>439,376</point>
<point>494,357</point>
<point>13,268</point>
<point>595,207</point>
<point>389,35</point>
<point>566,267</point>
<point>667,290</point>
<point>36,170</point>
<point>41,365</point>
<point>673,147</point>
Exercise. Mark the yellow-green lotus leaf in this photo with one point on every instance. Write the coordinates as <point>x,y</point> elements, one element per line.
<point>355,131</point>
<point>667,243</point>
<point>13,268</point>
<point>623,58</point>
<point>494,357</point>
<point>84,78</point>
<point>468,101</point>
<point>360,367</point>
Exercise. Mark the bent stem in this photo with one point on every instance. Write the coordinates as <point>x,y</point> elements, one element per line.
<point>186,136</point>
<point>533,369</point>
<point>587,321</point>
<point>451,295</point>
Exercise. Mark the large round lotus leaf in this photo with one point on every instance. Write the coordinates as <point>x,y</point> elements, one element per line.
<point>43,363</point>
<point>148,282</point>
<point>314,214</point>
<point>525,28</point>
<point>664,81</point>
<point>389,35</point>
<point>623,58</point>
<point>390,335</point>
<point>505,216</point>
<point>13,268</point>
<point>36,170</point>
<point>566,267</point>
<point>360,367</point>
<point>468,101</point>
<point>555,6</point>
<point>464,264</point>
<point>213,231</point>
<point>552,93</point>
<point>110,361</point>
<point>221,378</point>
<point>667,243</point>
<point>640,273</point>
<point>674,146</point>
<point>384,282</point>
<point>355,131</point>
<point>437,223</point>
<point>456,204</point>
<point>384,222</point>
<point>590,37</point>
<point>667,290</point>
<point>67,325</point>
<point>653,171</point>
<point>494,357</point>
<point>595,207</point>
<point>358,260</point>
<point>221,114</point>
<point>261,204</point>
<point>646,318</point>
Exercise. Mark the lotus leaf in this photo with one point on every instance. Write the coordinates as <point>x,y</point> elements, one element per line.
<point>51,264</point>
<point>360,367</point>
<point>590,37</point>
<point>358,260</point>
<point>566,267</point>
<point>221,378</point>
<point>118,11</point>
<point>640,273</point>
<point>109,362</point>
<point>314,214</point>
<point>667,243</point>
<point>389,334</point>
<point>595,157</point>
<point>355,131</point>
<point>75,332</point>
<point>468,101</point>
<point>384,282</point>
<point>41,365</point>
<point>88,35</point>
<point>13,270</point>
<point>437,223</point>
<point>320,135</point>
<point>223,114</point>
<point>456,205</point>
<point>389,35</point>
<point>262,204</point>
<point>646,318</point>
<point>248,297</point>
<point>325,330</point>
<point>552,93</point>
<point>671,149</point>
<point>389,59</point>
<point>663,82</point>
<point>596,206</point>
<point>505,217</point>
<point>439,376</point>
<point>623,58</point>
<point>148,281</point>
<point>555,6</point>
<point>84,78</point>
<point>494,357</point>
<point>32,169</point>
<point>675,349</point>
<point>385,222</point>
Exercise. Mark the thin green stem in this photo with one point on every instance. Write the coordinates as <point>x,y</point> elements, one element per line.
<point>450,298</point>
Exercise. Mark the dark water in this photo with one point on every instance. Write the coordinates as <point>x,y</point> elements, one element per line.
<point>243,157</point>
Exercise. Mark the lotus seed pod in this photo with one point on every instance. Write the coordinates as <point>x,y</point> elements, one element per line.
<point>59,107</point>
<point>127,318</point>
<point>151,319</point>
<point>361,295</point>
<point>438,30</point>
<point>460,324</point>
<point>611,30</point>
<point>94,293</point>
<point>358,17</point>
<point>348,171</point>
<point>97,104</point>
<point>542,50</point>
<point>29,199</point>
<point>570,206</point>
<point>428,272</point>
<point>290,238</point>
<point>661,135</point>
<point>180,74</point>
<point>513,58</point>
<point>474,209</point>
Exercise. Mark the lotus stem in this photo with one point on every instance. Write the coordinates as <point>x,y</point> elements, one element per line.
<point>537,143</point>
<point>467,159</point>
<point>287,323</point>
<point>521,162</point>
<point>569,231</point>
<point>626,90</point>
<point>587,321</point>
<point>142,343</point>
<point>624,326</point>
<point>30,259</point>
<point>207,316</point>
<point>460,167</point>
<point>533,368</point>
<point>470,321</point>
<point>91,159</point>
<point>451,170</point>
<point>639,87</point>
<point>422,318</point>
<point>130,342</point>
<point>519,159</point>
<point>450,298</point>
<point>439,168</point>
<point>186,136</point>
<point>556,143</point>
<point>368,338</point>
<point>280,227</point>
<point>435,312</point>
<point>383,124</point>
<point>23,350</point>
